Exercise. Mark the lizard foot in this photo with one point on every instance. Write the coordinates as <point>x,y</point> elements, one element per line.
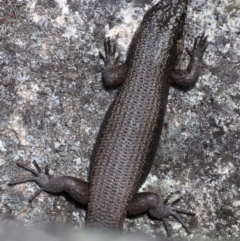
<point>114,72</point>
<point>110,52</point>
<point>77,188</point>
<point>164,210</point>
<point>39,177</point>
<point>199,47</point>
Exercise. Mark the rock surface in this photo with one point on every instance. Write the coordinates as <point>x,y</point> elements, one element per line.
<point>52,103</point>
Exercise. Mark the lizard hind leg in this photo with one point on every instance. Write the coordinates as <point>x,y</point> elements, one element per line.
<point>75,187</point>
<point>157,208</point>
<point>163,210</point>
<point>38,177</point>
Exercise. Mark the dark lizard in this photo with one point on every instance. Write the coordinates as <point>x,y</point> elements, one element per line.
<point>128,138</point>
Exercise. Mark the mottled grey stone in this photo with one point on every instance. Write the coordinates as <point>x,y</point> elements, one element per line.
<point>52,102</point>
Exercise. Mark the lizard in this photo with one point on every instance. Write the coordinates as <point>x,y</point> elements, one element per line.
<point>129,135</point>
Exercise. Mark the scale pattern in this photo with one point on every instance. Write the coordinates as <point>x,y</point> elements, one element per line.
<point>127,142</point>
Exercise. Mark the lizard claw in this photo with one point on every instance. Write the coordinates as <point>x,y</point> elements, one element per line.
<point>199,47</point>
<point>172,211</point>
<point>168,210</point>
<point>38,177</point>
<point>110,52</point>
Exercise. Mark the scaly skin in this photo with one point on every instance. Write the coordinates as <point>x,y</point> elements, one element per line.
<point>128,138</point>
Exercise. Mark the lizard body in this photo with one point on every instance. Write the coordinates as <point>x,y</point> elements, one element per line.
<point>128,138</point>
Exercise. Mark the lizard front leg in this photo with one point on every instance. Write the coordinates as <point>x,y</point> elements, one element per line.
<point>189,77</point>
<point>114,73</point>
